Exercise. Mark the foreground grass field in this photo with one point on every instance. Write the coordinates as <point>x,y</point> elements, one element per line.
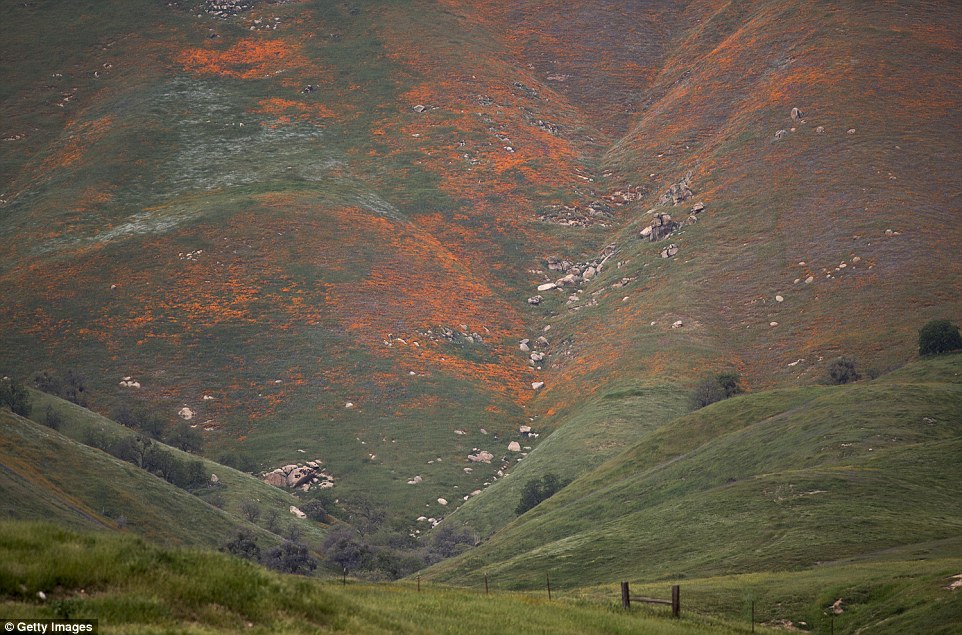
<point>137,588</point>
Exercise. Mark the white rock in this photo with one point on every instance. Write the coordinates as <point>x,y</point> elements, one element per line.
<point>779,298</point>
<point>349,405</point>
<point>185,413</point>
<point>442,501</point>
<point>535,385</point>
<point>297,512</point>
<point>677,324</point>
<point>547,286</point>
<point>773,323</point>
<point>514,446</point>
<point>810,280</point>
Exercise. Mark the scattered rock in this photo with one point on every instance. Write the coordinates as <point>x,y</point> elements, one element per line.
<point>297,512</point>
<point>773,323</point>
<point>536,385</point>
<point>669,251</point>
<point>514,446</point>
<point>129,382</point>
<point>414,481</point>
<point>535,300</point>
<point>810,280</point>
<point>851,131</point>
<point>548,286</point>
<point>837,607</point>
<point>779,298</point>
<point>698,208</point>
<point>820,130</point>
<point>482,456</point>
<point>523,345</point>
<point>419,108</point>
<point>955,585</point>
<point>214,479</point>
<point>678,192</point>
<point>349,405</point>
<point>677,324</point>
<point>796,114</point>
<point>442,501</point>
<point>780,134</point>
<point>185,413</point>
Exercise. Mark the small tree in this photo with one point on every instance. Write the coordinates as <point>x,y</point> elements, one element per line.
<point>244,546</point>
<point>14,396</point>
<point>537,490</point>
<point>842,371</point>
<point>251,511</point>
<point>939,336</point>
<point>52,418</point>
<point>185,438</point>
<point>712,389</point>
<point>291,557</point>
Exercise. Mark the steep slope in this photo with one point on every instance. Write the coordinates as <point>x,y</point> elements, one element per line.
<point>776,481</point>
<point>317,225</point>
<point>47,476</point>
<point>816,244</point>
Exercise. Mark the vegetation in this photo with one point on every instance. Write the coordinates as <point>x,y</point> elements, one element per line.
<point>15,397</point>
<point>713,389</point>
<point>939,336</point>
<point>842,371</point>
<point>538,490</point>
<point>137,588</point>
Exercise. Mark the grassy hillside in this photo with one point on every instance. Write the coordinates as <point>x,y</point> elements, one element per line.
<point>318,226</point>
<point>48,474</point>
<point>133,587</point>
<point>776,481</point>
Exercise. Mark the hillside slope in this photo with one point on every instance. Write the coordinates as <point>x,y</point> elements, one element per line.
<point>317,226</point>
<point>776,481</point>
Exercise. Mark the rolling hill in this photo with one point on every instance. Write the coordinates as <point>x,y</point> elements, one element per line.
<point>447,248</point>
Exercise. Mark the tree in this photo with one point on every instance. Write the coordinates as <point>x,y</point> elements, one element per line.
<point>52,418</point>
<point>185,438</point>
<point>291,557</point>
<point>939,336</point>
<point>712,389</point>
<point>344,550</point>
<point>244,546</point>
<point>134,449</point>
<point>14,396</point>
<point>842,371</point>
<point>251,511</point>
<point>537,490</point>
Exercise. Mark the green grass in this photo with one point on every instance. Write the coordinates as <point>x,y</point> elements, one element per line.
<point>774,481</point>
<point>92,488</point>
<point>134,587</point>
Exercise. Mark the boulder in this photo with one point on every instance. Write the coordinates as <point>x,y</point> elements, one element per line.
<point>698,208</point>
<point>299,476</point>
<point>669,251</point>
<point>276,478</point>
<point>185,413</point>
<point>780,134</point>
<point>535,300</point>
<point>661,227</point>
<point>796,114</point>
<point>442,501</point>
<point>297,512</point>
<point>646,232</point>
<point>547,286</point>
<point>820,130</point>
<point>536,385</point>
<point>287,469</point>
<point>514,446</point>
<point>590,273</point>
<point>482,456</point>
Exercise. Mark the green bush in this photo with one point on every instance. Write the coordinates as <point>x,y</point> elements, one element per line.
<point>939,336</point>
<point>712,389</point>
<point>14,396</point>
<point>537,490</point>
<point>843,371</point>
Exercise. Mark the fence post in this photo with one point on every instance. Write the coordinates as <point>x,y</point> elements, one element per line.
<point>419,584</point>
<point>625,596</point>
<point>675,600</point>
<point>548,580</point>
<point>485,583</point>
<point>753,616</point>
<point>344,577</point>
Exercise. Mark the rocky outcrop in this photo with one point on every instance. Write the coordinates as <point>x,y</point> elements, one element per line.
<point>669,251</point>
<point>678,193</point>
<point>302,476</point>
<point>661,227</point>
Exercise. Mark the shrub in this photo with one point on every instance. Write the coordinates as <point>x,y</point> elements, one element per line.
<point>251,511</point>
<point>537,490</point>
<point>185,438</point>
<point>52,418</point>
<point>842,371</point>
<point>14,396</point>
<point>712,389</point>
<point>291,557</point>
<point>243,546</point>
<point>939,336</point>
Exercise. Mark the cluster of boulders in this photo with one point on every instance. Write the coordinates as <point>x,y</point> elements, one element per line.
<point>303,476</point>
<point>596,213</point>
<point>574,273</point>
<point>480,456</point>
<point>463,336</point>
<point>679,192</point>
<point>129,382</point>
<point>537,350</point>
<point>227,8</point>
<point>660,228</point>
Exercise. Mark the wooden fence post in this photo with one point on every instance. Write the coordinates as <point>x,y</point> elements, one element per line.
<point>625,596</point>
<point>485,583</point>
<point>675,600</point>
<point>548,580</point>
<point>419,584</point>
